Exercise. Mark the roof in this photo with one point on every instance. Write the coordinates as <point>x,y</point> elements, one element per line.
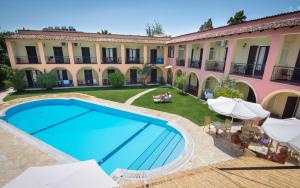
<point>215,177</point>
<point>290,19</point>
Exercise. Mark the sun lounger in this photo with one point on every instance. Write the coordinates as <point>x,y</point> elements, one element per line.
<point>162,99</point>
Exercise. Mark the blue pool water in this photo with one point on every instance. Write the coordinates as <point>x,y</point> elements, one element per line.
<point>114,138</point>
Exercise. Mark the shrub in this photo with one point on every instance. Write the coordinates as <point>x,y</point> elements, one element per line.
<point>162,81</point>
<point>7,84</point>
<point>46,80</point>
<point>116,79</point>
<point>18,80</point>
<point>180,83</point>
<point>228,92</point>
<point>5,74</point>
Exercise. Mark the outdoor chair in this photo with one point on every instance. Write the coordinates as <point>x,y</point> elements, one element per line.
<point>162,99</point>
<point>226,127</point>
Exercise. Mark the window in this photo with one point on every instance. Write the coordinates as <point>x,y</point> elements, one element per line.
<point>211,53</point>
<point>170,51</point>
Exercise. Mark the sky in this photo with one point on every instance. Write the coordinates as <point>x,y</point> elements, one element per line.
<point>131,16</point>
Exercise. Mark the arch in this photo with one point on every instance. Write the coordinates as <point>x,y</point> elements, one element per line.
<point>283,103</point>
<point>156,75</point>
<point>30,76</point>
<point>178,72</point>
<point>87,76</point>
<point>247,89</point>
<point>169,76</point>
<point>133,77</point>
<point>64,76</point>
<point>192,83</point>
<point>106,72</point>
<point>209,83</point>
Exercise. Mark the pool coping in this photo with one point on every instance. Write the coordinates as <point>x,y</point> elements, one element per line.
<point>118,174</point>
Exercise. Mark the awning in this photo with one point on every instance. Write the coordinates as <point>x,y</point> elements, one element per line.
<point>169,66</point>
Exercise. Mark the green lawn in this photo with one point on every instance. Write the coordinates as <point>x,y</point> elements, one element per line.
<point>118,95</point>
<point>183,105</point>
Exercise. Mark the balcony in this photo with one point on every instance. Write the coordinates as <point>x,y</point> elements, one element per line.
<point>134,60</point>
<point>180,62</point>
<point>247,70</point>
<point>156,61</point>
<point>195,64</point>
<point>111,60</point>
<point>57,60</point>
<point>288,75</point>
<point>28,60</point>
<point>85,60</point>
<point>216,66</point>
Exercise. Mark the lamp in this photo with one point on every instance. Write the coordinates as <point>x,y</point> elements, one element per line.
<point>244,45</point>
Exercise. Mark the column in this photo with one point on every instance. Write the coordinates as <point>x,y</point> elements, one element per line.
<point>42,52</point>
<point>70,52</point>
<point>145,54</point>
<point>98,55</point>
<point>74,76</point>
<point>204,57</point>
<point>274,54</point>
<point>166,59</point>
<point>123,54</point>
<point>188,50</point>
<point>230,55</point>
<point>11,55</point>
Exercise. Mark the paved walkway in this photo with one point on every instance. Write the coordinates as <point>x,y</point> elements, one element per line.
<point>132,99</point>
<point>4,94</point>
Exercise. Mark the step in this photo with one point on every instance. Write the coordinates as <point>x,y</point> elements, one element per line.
<point>144,156</point>
<point>178,149</point>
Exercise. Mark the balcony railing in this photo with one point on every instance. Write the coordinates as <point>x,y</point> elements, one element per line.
<point>134,60</point>
<point>111,60</point>
<point>28,60</point>
<point>216,66</point>
<point>85,60</point>
<point>158,61</point>
<point>180,62</point>
<point>57,60</point>
<point>195,64</point>
<point>247,70</point>
<point>93,82</point>
<point>289,75</point>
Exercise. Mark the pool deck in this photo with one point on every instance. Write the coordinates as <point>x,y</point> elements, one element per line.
<point>17,154</point>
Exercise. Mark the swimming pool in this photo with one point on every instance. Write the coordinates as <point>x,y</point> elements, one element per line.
<point>114,138</point>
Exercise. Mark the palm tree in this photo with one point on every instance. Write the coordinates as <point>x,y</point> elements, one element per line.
<point>145,71</point>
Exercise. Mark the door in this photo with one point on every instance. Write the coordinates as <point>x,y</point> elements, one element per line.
<point>29,78</point>
<point>251,96</point>
<point>296,72</point>
<point>290,107</point>
<point>32,55</point>
<point>86,57</point>
<point>153,56</point>
<point>251,60</point>
<point>88,76</point>
<point>200,58</point>
<point>58,55</point>
<point>153,78</point>
<point>109,71</point>
<point>169,77</point>
<point>261,60</point>
<point>64,74</point>
<point>225,58</point>
<point>133,76</point>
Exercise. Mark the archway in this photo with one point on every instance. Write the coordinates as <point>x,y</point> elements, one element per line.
<point>283,104</point>
<point>247,90</point>
<point>63,76</point>
<point>209,84</point>
<point>133,76</point>
<point>192,84</point>
<point>87,76</point>
<point>30,77</point>
<point>169,76</point>
<point>107,72</point>
<point>156,75</point>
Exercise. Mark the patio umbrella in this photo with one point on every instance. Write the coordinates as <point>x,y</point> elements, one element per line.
<point>76,175</point>
<point>284,131</point>
<point>237,108</point>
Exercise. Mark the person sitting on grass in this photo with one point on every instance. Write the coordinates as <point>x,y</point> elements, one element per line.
<point>280,157</point>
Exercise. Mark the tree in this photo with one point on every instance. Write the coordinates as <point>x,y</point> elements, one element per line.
<point>116,79</point>
<point>18,80</point>
<point>180,83</point>
<point>238,18</point>
<point>154,29</point>
<point>5,74</point>
<point>3,50</point>
<point>145,72</point>
<point>104,32</point>
<point>228,89</point>
<point>46,80</point>
<point>206,25</point>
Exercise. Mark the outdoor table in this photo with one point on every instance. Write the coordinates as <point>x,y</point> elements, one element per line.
<point>257,148</point>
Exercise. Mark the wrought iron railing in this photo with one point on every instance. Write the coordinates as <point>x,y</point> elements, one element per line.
<point>195,64</point>
<point>157,60</point>
<point>57,60</point>
<point>85,60</point>
<point>286,74</point>
<point>247,70</point>
<point>28,60</point>
<point>134,60</point>
<point>180,62</point>
<point>216,66</point>
<point>111,60</point>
